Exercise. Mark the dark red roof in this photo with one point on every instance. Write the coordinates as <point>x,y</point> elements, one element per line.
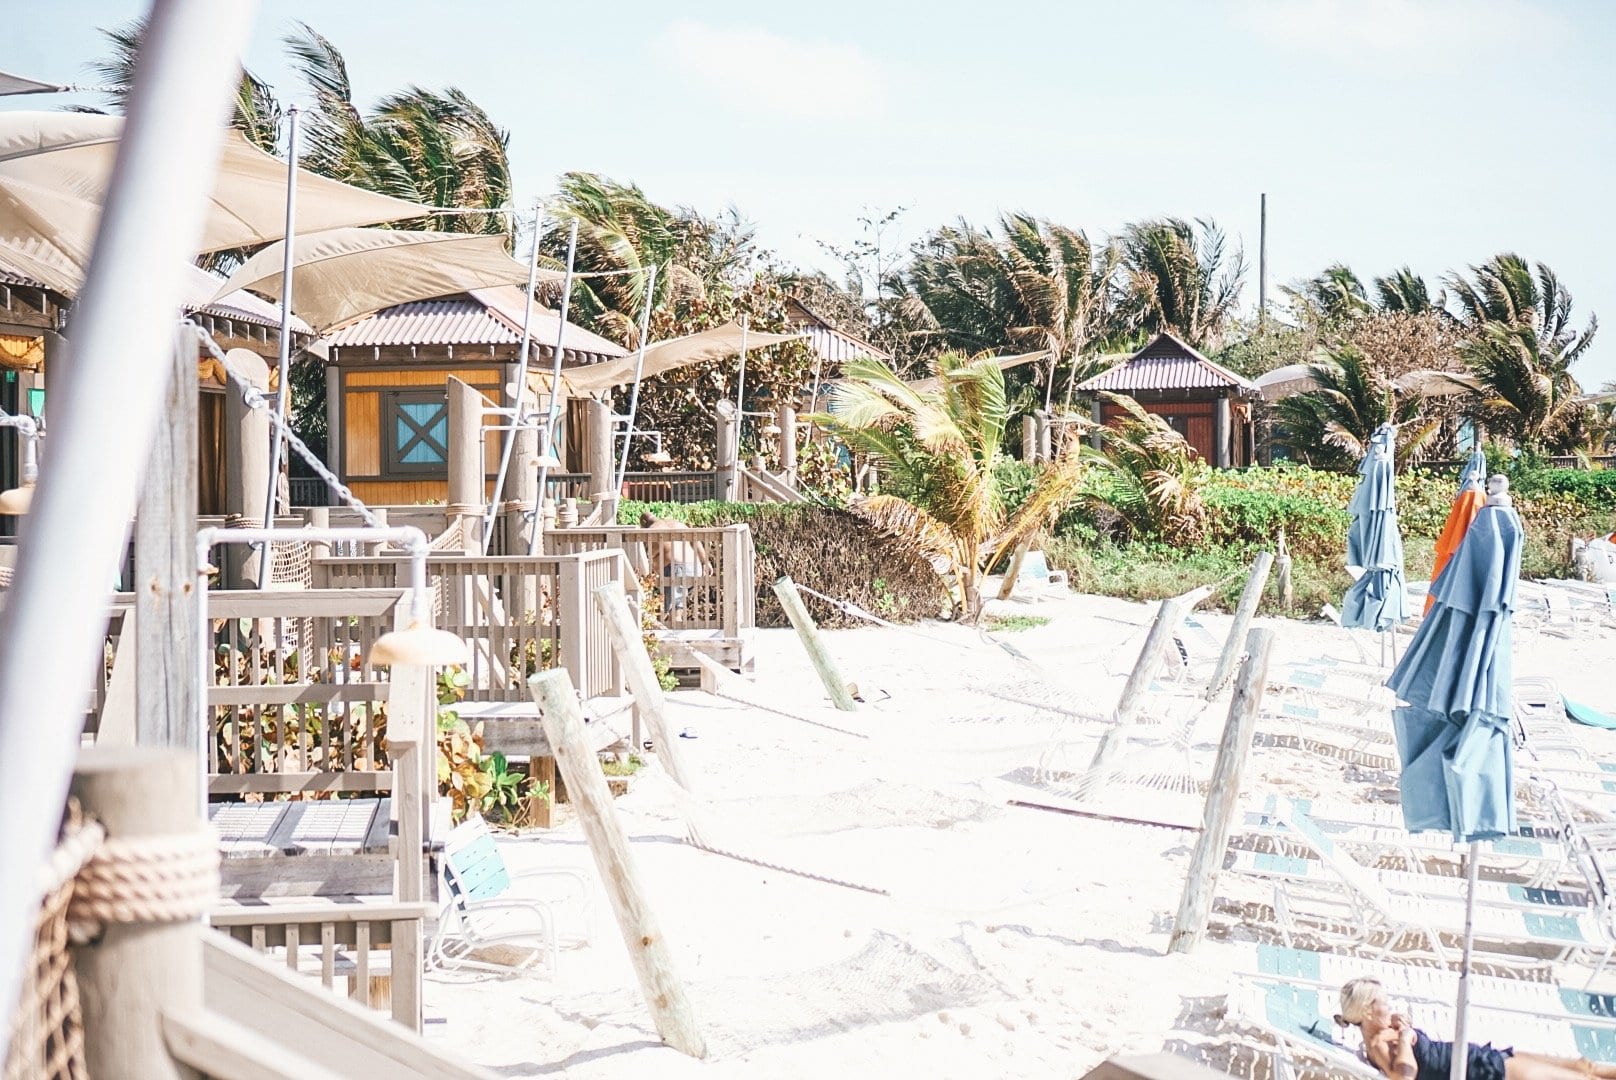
<point>1166,363</point>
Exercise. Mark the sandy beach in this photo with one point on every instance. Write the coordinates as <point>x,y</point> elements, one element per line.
<point>1011,942</point>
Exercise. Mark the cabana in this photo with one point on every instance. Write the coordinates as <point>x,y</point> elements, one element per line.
<point>1203,401</point>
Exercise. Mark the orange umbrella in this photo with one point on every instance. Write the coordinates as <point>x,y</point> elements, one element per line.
<point>1465,508</point>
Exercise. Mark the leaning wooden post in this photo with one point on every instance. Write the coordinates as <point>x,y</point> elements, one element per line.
<point>629,644</point>
<point>1008,587</point>
<point>1224,794</point>
<point>147,960</point>
<point>791,600</point>
<point>1286,596</point>
<point>167,620</point>
<point>1250,597</point>
<point>586,785</point>
<point>1157,642</point>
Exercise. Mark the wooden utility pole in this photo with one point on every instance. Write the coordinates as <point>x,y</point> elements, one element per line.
<point>818,655</point>
<point>586,785</point>
<point>1250,597</point>
<point>167,625</point>
<point>1262,263</point>
<point>1223,796</point>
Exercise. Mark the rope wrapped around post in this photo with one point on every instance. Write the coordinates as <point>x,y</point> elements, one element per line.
<point>144,879</point>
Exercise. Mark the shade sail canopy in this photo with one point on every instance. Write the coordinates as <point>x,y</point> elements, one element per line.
<point>1005,364</point>
<point>1453,735</point>
<point>1287,381</point>
<point>21,84</point>
<point>1378,600</point>
<point>63,161</point>
<point>665,356</point>
<point>341,274</point>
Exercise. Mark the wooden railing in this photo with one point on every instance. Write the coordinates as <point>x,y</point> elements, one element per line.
<point>519,614</point>
<point>679,487</point>
<point>704,577</point>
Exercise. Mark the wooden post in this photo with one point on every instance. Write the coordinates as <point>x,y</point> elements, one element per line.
<point>467,483</point>
<point>1250,597</point>
<point>135,972</point>
<point>1046,439</point>
<point>791,600</point>
<point>586,784</point>
<point>1008,588</point>
<point>728,451</point>
<point>167,620</point>
<point>246,455</point>
<point>334,440</point>
<point>1029,439</point>
<point>412,714</point>
<point>1151,654</point>
<point>1224,794</point>
<point>522,517</point>
<point>788,441</point>
<point>1220,434</point>
<point>599,447</point>
<point>1286,595</point>
<point>629,643</point>
<point>319,517</point>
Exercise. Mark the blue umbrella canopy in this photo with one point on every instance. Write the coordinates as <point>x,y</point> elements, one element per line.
<point>1378,600</point>
<point>1474,471</point>
<point>1453,735</point>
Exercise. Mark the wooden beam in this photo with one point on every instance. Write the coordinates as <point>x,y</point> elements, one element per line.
<point>818,655</point>
<point>1195,908</point>
<point>1250,597</point>
<point>586,786</point>
<point>1151,654</point>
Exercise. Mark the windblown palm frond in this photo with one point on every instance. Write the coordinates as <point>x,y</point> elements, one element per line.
<point>1530,392</point>
<point>1405,291</point>
<point>1334,296</point>
<point>1330,426</point>
<point>1180,277</point>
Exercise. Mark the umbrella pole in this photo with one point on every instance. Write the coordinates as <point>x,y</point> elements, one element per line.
<point>283,361</point>
<point>740,396</point>
<point>1461,1008</point>
<point>519,392</point>
<point>547,452</point>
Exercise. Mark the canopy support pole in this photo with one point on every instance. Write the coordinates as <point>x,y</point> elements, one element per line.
<point>517,393</point>
<point>283,360</point>
<point>639,371</point>
<point>547,452</point>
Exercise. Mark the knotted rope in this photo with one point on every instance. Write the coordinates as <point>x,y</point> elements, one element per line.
<point>144,879</point>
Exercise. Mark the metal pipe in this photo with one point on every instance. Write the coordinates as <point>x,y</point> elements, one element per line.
<point>283,360</point>
<point>547,450</point>
<point>508,443</point>
<point>72,543</point>
<point>28,428</point>
<point>639,370</point>
<point>740,396</point>
<point>1461,1006</point>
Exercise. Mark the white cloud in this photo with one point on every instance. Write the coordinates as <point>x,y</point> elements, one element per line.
<point>1433,31</point>
<point>759,71</point>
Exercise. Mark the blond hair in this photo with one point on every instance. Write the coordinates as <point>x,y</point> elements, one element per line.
<point>1356,998</point>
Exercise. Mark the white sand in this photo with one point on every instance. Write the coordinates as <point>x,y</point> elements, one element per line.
<point>1014,942</point>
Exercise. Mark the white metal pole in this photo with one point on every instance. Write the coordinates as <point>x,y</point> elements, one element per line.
<point>283,361</point>
<point>519,393</point>
<point>639,371</point>
<point>1461,1007</point>
<point>740,397</point>
<point>72,542</point>
<point>547,449</point>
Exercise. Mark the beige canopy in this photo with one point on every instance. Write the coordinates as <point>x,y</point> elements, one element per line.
<point>341,274</point>
<point>53,177</point>
<point>664,356</point>
<point>1005,363</point>
<point>1293,379</point>
<point>21,84</point>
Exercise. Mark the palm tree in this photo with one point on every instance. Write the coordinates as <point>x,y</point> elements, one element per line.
<point>1035,286</point>
<point>1404,292</point>
<point>1330,427</point>
<point>1181,278</point>
<point>1336,295</point>
<point>256,113</point>
<point>438,149</point>
<point>1152,476</point>
<point>1523,346</point>
<point>937,447</point>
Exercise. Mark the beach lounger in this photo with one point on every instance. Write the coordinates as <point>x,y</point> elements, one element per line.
<point>1410,883</point>
<point>1372,909</point>
<point>484,908</point>
<point>1299,1014</point>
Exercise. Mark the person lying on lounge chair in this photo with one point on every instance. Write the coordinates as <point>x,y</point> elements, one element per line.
<point>1402,1052</point>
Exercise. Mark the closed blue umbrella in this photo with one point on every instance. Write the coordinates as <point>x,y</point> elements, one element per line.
<point>1378,600</point>
<point>1453,733</point>
<point>1475,469</point>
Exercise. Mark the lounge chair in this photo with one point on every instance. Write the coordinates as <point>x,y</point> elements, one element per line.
<point>484,909</point>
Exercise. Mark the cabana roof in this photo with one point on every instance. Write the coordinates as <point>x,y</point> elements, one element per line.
<point>480,317</point>
<point>1166,363</point>
<point>828,343</point>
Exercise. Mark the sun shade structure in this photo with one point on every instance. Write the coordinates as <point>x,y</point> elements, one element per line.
<point>1378,600</point>
<point>670,355</point>
<point>21,84</point>
<point>61,163</point>
<point>342,274</point>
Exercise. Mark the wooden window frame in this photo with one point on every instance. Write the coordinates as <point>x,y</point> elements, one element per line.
<point>393,467</point>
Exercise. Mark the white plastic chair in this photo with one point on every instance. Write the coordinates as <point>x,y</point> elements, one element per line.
<point>485,906</point>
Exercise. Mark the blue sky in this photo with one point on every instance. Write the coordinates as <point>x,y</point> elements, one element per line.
<point>1426,132</point>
